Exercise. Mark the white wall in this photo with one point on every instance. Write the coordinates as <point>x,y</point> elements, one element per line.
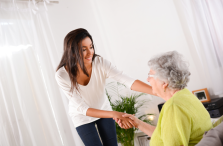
<point>71,14</point>
<point>127,32</point>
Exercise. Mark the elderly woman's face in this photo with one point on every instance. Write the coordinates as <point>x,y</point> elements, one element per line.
<point>157,85</point>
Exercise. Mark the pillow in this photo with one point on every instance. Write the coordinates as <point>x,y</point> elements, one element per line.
<point>213,137</point>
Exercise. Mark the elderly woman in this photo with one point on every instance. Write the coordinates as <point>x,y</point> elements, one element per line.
<point>183,119</point>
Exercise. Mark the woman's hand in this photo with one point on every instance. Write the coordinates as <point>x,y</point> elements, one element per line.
<point>126,123</point>
<point>134,119</point>
<point>144,127</point>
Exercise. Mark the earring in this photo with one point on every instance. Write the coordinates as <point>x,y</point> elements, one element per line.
<point>164,90</point>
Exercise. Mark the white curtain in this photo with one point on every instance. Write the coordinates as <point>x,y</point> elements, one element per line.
<point>32,109</point>
<point>202,21</point>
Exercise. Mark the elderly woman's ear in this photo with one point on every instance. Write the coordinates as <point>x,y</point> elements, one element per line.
<point>165,85</point>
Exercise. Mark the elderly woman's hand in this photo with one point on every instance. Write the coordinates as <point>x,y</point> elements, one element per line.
<point>120,123</point>
<point>134,120</point>
<point>123,122</point>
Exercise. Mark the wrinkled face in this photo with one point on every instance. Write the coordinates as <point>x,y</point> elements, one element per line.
<point>88,50</point>
<point>157,85</point>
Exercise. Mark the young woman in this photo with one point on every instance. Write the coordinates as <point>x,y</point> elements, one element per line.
<point>81,74</point>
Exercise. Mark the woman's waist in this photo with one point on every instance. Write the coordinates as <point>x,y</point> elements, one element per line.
<point>104,106</point>
<point>93,101</point>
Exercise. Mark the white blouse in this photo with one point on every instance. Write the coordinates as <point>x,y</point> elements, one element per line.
<point>92,95</point>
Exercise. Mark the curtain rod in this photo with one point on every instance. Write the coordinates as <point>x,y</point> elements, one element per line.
<point>55,2</point>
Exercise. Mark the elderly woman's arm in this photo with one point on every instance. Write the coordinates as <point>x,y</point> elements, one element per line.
<point>142,87</point>
<point>144,127</point>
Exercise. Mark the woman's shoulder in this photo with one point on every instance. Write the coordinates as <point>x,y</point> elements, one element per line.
<point>183,100</point>
<point>61,73</point>
<point>101,61</point>
<point>177,99</point>
<point>182,96</point>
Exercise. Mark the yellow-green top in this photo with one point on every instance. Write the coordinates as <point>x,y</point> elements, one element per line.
<point>182,121</point>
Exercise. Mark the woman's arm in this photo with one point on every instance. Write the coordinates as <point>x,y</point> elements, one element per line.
<point>111,71</point>
<point>146,128</point>
<point>127,122</point>
<point>142,87</point>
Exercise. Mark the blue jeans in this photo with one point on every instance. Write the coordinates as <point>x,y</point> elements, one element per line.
<point>106,129</point>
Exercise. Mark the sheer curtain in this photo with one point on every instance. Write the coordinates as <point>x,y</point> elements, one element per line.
<point>32,109</point>
<point>202,21</point>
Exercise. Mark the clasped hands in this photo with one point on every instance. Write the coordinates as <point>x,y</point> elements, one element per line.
<point>125,121</point>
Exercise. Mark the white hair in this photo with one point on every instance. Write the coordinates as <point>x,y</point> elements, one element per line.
<point>170,67</point>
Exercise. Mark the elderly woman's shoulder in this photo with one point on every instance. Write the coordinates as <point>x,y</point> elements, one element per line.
<point>183,98</point>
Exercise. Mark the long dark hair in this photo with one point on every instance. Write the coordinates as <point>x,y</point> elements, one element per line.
<point>73,55</point>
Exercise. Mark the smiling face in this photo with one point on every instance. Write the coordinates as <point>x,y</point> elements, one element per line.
<point>88,50</point>
<point>157,85</point>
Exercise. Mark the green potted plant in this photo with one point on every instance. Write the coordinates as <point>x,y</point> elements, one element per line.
<point>127,104</point>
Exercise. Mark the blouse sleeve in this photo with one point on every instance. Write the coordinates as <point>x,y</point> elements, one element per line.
<point>75,100</point>
<point>175,127</point>
<point>111,71</point>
